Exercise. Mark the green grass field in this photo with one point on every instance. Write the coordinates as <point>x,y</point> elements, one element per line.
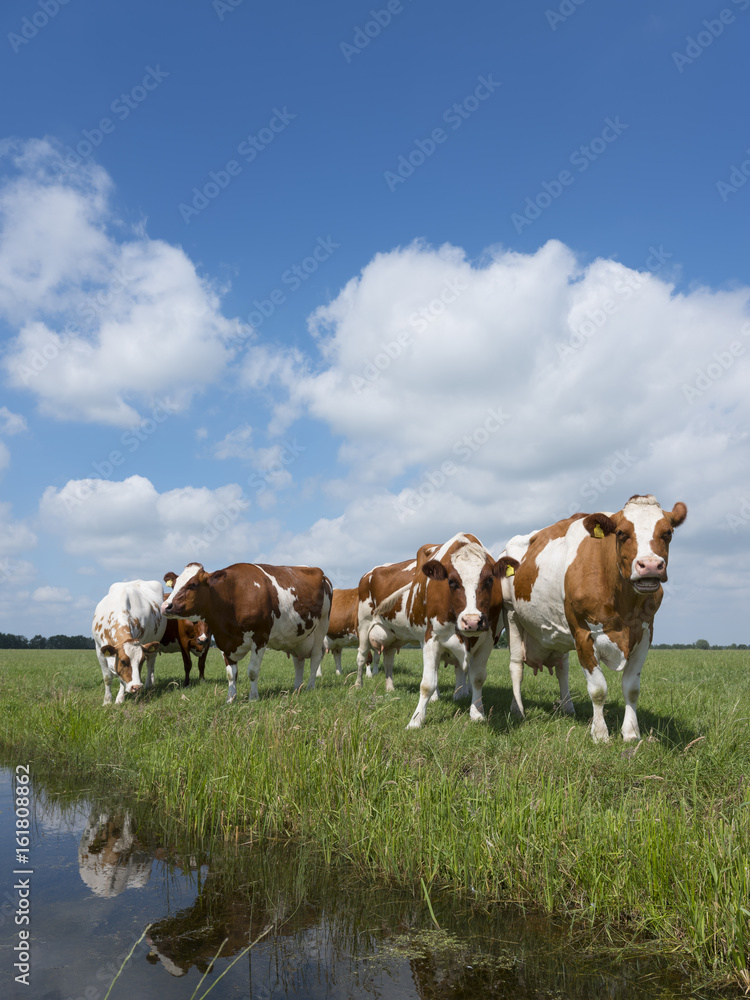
<point>646,845</point>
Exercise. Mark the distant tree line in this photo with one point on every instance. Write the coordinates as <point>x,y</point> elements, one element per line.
<point>8,641</point>
<point>698,644</point>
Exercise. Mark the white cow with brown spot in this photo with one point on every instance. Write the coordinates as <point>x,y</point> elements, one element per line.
<point>128,627</point>
<point>592,583</point>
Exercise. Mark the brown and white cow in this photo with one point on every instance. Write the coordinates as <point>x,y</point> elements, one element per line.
<point>445,600</point>
<point>128,626</point>
<point>590,583</point>
<point>186,637</point>
<point>342,629</point>
<point>250,607</point>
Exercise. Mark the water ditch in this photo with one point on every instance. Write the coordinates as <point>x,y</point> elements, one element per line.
<point>103,875</point>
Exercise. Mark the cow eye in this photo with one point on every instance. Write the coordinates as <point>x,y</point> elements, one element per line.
<point>488,583</point>
<point>667,536</point>
<point>621,535</point>
<point>453,584</point>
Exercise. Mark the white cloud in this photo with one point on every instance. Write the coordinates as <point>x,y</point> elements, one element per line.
<point>108,320</point>
<point>131,530</point>
<point>52,595</point>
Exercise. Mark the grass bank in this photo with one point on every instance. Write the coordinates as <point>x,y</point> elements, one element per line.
<point>646,844</point>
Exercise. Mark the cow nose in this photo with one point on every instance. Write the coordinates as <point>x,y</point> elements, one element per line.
<point>166,608</point>
<point>473,623</point>
<point>136,687</point>
<point>650,567</point>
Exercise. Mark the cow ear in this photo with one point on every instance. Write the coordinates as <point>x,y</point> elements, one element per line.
<point>599,525</point>
<point>220,574</point>
<point>108,650</point>
<point>677,515</point>
<point>170,579</point>
<point>434,570</point>
<point>151,647</point>
<point>506,566</point>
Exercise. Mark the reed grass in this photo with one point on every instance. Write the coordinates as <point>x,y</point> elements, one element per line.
<point>647,846</point>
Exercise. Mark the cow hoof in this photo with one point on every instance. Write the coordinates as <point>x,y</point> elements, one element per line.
<point>389,688</point>
<point>358,684</point>
<point>476,716</point>
<point>515,710</point>
<point>600,736</point>
<point>415,724</point>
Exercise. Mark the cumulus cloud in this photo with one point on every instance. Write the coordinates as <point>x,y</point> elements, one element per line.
<point>131,530</point>
<point>89,300</point>
<point>52,595</point>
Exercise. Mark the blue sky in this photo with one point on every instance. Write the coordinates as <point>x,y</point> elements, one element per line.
<point>321,283</point>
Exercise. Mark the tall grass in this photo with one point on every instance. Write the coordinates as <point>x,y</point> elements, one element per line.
<point>647,844</point>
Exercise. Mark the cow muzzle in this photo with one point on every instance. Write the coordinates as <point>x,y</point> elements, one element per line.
<point>648,574</point>
<point>472,624</point>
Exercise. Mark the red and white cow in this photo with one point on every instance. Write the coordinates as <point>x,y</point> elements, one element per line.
<point>186,637</point>
<point>590,583</point>
<point>127,628</point>
<point>447,602</point>
<point>342,629</point>
<point>250,607</point>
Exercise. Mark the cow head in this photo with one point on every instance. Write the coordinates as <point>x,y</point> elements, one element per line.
<point>128,662</point>
<point>642,532</point>
<point>187,592</point>
<point>468,572</point>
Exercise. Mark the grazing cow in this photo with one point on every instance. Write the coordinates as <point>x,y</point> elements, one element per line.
<point>186,637</point>
<point>111,858</point>
<point>250,608</point>
<point>590,583</point>
<point>128,626</point>
<point>446,601</point>
<point>342,629</point>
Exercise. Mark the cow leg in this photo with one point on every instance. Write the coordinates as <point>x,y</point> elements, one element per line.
<point>389,655</point>
<point>299,673</point>
<point>150,665</point>
<point>477,674</point>
<point>515,645</point>
<point>202,658</point>
<point>462,686</point>
<point>337,661</point>
<point>187,664</point>
<point>253,670</point>
<point>631,687</point>
<point>362,650</point>
<point>375,665</point>
<point>597,688</point>
<point>566,702</point>
<point>107,676</point>
<point>232,678</point>
<point>121,693</point>
<point>430,661</point>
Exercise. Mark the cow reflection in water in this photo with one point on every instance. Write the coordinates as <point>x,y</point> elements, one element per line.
<point>111,859</point>
<point>193,936</point>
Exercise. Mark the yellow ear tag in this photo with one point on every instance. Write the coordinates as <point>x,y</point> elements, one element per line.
<point>510,571</point>
<point>598,532</point>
